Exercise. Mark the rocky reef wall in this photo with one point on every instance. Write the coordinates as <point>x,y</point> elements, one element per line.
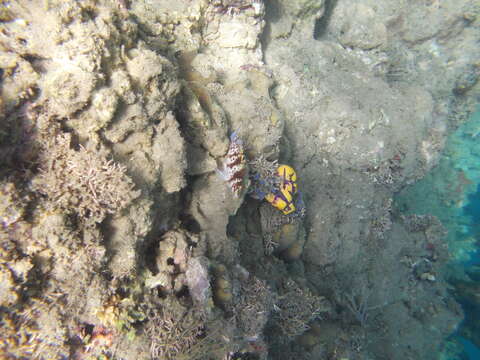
<point>145,209</point>
<point>452,196</point>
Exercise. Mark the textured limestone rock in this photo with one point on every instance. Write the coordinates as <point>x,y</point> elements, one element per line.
<point>239,31</point>
<point>168,150</point>
<point>284,15</point>
<point>198,281</point>
<point>357,25</point>
<point>69,90</point>
<point>18,78</point>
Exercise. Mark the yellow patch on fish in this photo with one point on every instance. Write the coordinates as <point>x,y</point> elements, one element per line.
<point>289,178</point>
<point>282,199</point>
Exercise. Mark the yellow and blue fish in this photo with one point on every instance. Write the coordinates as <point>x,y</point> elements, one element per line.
<point>283,198</point>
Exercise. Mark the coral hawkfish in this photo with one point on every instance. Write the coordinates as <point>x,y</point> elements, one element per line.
<point>234,168</point>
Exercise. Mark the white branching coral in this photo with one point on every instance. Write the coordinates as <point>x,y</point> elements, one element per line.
<point>171,337</point>
<point>253,307</point>
<point>177,333</point>
<point>82,181</point>
<point>296,307</point>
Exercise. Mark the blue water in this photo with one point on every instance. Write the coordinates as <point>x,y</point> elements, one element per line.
<point>471,350</point>
<point>451,192</point>
<point>472,210</point>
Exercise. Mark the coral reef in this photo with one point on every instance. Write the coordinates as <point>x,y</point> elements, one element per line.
<point>180,262</point>
<point>171,338</point>
<point>198,282</point>
<point>32,338</point>
<point>118,239</point>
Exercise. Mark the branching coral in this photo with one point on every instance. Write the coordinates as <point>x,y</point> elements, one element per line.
<point>181,335</point>
<point>273,222</point>
<point>296,307</point>
<point>170,336</point>
<point>29,327</point>
<point>253,307</point>
<point>381,224</point>
<point>262,174</point>
<point>82,181</point>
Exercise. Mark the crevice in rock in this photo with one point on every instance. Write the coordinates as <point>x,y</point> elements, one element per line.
<point>321,25</point>
<point>273,13</point>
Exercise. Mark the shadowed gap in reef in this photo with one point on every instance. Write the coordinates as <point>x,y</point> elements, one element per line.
<point>321,24</point>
